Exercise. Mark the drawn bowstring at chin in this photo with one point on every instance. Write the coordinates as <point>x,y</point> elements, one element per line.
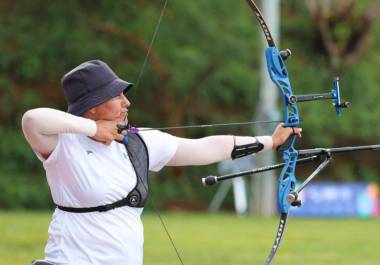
<point>132,129</point>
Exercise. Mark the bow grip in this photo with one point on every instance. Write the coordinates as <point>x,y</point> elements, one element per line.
<point>288,144</point>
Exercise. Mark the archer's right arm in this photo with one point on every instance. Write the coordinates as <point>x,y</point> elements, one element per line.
<point>41,127</point>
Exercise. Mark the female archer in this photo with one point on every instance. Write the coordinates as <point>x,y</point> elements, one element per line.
<point>100,183</point>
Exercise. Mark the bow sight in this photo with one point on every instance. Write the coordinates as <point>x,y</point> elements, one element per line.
<point>334,95</point>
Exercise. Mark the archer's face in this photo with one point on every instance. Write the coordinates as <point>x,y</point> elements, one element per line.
<point>113,109</point>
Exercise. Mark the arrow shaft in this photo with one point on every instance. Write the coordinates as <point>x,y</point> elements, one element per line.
<point>209,125</point>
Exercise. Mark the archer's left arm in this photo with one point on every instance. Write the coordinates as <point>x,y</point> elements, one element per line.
<point>212,149</point>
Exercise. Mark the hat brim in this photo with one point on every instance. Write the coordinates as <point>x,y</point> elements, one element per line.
<point>101,95</point>
<point>118,86</point>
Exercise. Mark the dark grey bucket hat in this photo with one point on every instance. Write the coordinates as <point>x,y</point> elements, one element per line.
<point>90,84</point>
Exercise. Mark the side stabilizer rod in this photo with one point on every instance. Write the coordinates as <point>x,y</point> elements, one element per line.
<point>292,197</point>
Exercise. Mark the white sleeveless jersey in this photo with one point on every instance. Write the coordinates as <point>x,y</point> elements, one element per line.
<point>84,173</point>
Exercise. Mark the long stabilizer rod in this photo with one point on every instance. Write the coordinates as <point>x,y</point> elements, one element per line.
<point>211,180</point>
<point>320,151</point>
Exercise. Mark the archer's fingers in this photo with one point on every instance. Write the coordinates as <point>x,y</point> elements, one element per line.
<point>119,137</point>
<point>297,131</point>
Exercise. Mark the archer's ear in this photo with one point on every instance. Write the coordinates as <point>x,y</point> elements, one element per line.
<point>92,111</point>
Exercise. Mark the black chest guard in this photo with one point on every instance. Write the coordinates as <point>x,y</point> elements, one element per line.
<point>138,155</point>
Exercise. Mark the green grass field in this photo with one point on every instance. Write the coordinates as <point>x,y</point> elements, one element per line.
<point>217,239</point>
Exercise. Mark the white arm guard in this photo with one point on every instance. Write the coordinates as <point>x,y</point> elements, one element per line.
<point>212,149</point>
<point>41,127</point>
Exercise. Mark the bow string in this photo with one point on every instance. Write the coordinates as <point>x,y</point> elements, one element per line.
<point>287,194</point>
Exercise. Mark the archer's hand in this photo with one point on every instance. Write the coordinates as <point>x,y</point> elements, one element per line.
<point>106,131</point>
<point>281,134</point>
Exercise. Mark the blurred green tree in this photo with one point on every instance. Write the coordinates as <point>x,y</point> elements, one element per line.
<point>203,68</point>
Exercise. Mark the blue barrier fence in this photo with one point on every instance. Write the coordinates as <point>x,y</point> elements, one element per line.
<point>329,199</point>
